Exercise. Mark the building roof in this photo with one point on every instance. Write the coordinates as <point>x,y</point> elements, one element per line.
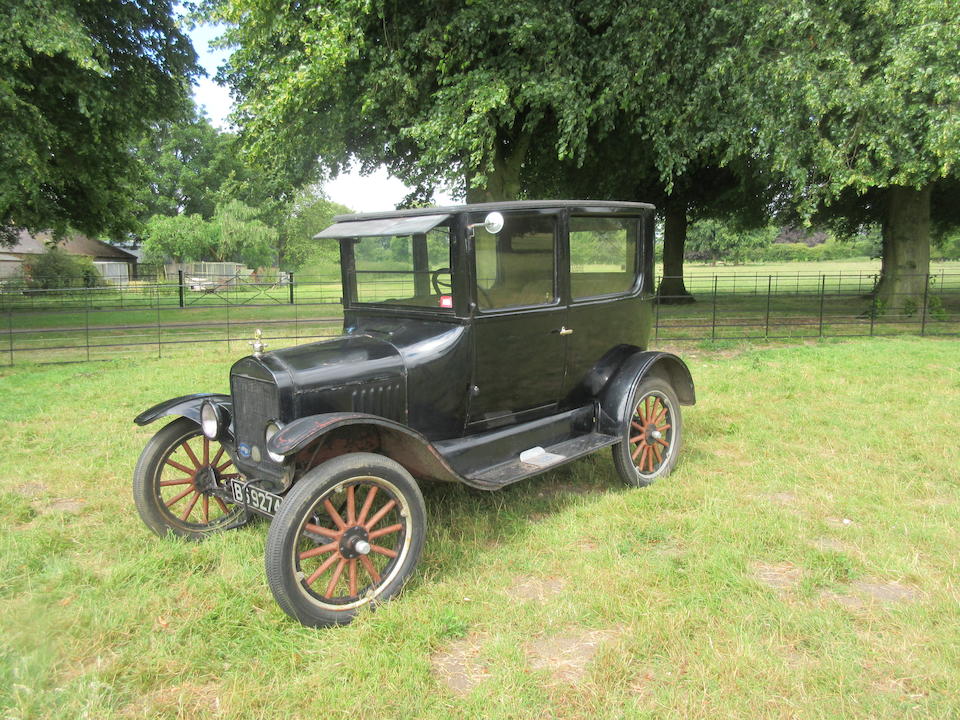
<point>30,244</point>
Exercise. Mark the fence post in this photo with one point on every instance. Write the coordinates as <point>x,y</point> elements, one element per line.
<point>923,309</point>
<point>823,289</point>
<point>713,324</point>
<point>766,322</point>
<point>180,287</point>
<point>10,332</point>
<point>86,320</point>
<point>290,280</point>
<point>873,305</point>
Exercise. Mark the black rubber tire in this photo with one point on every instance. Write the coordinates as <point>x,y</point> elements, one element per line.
<point>148,493</point>
<point>659,393</point>
<point>289,538</point>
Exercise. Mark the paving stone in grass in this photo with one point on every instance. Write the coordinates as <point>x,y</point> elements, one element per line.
<point>458,666</point>
<point>30,490</point>
<point>872,591</point>
<point>566,656</point>
<point>779,576</point>
<point>65,505</point>
<point>527,587</point>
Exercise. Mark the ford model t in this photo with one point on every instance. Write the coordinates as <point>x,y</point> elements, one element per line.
<point>482,344</point>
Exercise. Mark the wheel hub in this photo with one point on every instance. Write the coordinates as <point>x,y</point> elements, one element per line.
<point>205,479</point>
<point>354,542</point>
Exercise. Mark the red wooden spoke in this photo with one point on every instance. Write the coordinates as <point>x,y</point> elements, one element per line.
<point>637,425</point>
<point>367,502</point>
<point>371,570</point>
<point>223,467</point>
<point>660,416</point>
<point>206,450</point>
<point>319,550</point>
<point>643,456</point>
<point>383,551</point>
<point>206,509</point>
<point>646,409</point>
<point>216,458</point>
<point>179,497</point>
<point>168,483</point>
<point>353,577</point>
<point>650,459</point>
<point>380,513</point>
<point>323,568</point>
<point>636,452</point>
<point>385,531</point>
<point>663,442</point>
<point>193,502</point>
<point>326,532</point>
<point>336,577</point>
<point>189,450</point>
<point>656,451</point>
<point>222,504</point>
<point>636,439</point>
<point>334,515</point>
<point>663,427</point>
<point>181,468</point>
<point>351,506</point>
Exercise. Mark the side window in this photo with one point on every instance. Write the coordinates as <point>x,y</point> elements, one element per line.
<point>411,270</point>
<point>516,266</point>
<point>603,255</point>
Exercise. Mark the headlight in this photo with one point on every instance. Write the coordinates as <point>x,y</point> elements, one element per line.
<point>273,427</point>
<point>211,420</point>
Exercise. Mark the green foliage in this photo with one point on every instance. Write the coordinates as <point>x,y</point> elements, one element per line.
<point>310,213</point>
<point>79,83</point>
<point>182,238</point>
<point>242,237</point>
<point>56,269</point>
<point>714,240</point>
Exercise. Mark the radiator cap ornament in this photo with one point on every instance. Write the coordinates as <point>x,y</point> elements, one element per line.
<point>257,344</point>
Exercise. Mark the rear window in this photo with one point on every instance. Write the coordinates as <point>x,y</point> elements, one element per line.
<point>603,255</point>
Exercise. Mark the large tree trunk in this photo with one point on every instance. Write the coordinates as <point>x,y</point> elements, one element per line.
<point>906,251</point>
<point>503,182</point>
<point>672,290</point>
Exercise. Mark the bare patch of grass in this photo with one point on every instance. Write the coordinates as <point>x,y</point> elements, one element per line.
<point>779,576</point>
<point>566,656</point>
<point>459,666</point>
<point>527,587</point>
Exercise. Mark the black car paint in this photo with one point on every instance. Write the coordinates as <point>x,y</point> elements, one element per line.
<point>448,381</point>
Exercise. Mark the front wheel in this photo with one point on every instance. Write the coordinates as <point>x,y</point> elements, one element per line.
<point>173,480</point>
<point>347,536</point>
<point>651,434</point>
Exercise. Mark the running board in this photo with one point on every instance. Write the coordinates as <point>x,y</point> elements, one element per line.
<point>513,470</point>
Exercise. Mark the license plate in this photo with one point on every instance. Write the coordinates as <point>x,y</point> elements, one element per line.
<point>254,498</point>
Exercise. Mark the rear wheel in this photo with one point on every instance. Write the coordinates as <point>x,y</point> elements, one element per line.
<point>347,536</point>
<point>173,478</point>
<point>651,434</point>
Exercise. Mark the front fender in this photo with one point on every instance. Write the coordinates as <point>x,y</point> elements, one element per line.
<point>186,406</point>
<point>615,396</point>
<point>395,440</point>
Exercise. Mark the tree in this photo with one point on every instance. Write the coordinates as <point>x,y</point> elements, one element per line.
<point>181,238</point>
<point>79,83</point>
<point>855,105</point>
<point>310,213</point>
<point>242,237</point>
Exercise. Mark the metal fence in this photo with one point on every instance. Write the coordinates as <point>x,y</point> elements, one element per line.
<point>159,318</point>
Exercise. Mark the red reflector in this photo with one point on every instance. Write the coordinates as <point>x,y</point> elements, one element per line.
<point>446,301</point>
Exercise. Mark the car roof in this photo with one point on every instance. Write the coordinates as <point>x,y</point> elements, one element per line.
<point>587,205</point>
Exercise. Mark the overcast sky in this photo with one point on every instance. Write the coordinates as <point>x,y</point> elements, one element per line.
<point>378,191</point>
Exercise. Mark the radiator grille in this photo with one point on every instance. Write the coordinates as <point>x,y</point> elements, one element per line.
<point>385,400</point>
<point>254,403</point>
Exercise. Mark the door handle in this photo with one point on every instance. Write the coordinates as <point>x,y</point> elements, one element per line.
<point>565,330</point>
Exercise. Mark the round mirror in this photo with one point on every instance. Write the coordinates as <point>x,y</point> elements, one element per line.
<point>493,223</point>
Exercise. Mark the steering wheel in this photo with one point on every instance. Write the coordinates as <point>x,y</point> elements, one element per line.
<point>441,288</point>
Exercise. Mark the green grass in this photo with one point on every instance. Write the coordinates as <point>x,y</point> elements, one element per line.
<point>100,619</point>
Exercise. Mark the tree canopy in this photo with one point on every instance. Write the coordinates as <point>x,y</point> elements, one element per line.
<point>80,82</point>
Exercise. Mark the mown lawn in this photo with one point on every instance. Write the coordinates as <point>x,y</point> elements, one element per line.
<point>801,562</point>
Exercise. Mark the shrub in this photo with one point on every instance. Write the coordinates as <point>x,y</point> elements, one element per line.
<point>57,270</point>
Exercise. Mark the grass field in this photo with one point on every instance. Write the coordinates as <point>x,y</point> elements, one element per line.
<point>801,562</point>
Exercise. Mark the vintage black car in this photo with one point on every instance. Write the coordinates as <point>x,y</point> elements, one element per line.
<point>482,344</point>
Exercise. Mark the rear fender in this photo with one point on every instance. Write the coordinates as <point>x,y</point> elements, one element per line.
<point>187,406</point>
<point>615,396</point>
<point>317,438</point>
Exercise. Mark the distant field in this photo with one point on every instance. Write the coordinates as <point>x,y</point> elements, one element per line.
<point>800,563</point>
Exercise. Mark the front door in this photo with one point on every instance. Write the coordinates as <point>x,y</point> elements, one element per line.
<point>520,339</point>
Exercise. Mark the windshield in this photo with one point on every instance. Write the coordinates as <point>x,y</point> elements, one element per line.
<point>407,270</point>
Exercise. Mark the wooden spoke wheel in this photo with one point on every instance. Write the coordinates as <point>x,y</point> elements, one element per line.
<point>651,434</point>
<point>173,479</point>
<point>347,536</point>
